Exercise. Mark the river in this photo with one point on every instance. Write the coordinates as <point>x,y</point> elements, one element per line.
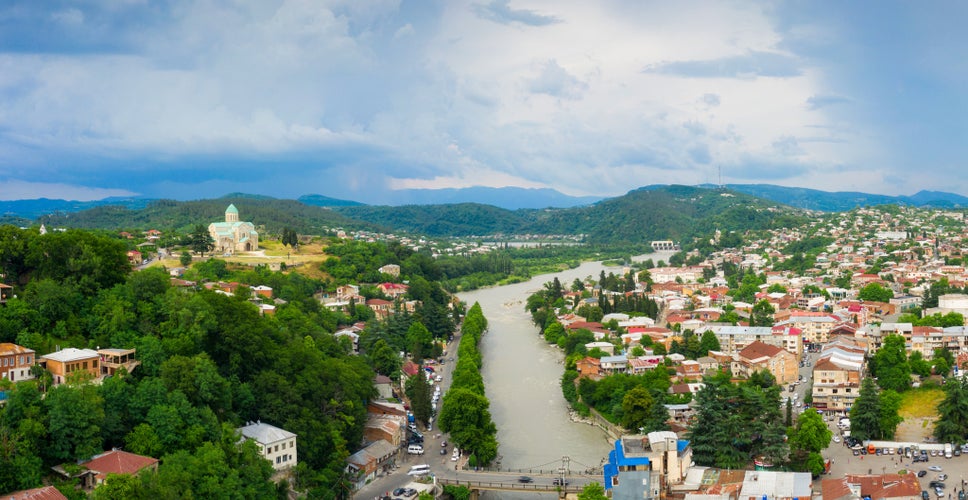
<point>522,376</point>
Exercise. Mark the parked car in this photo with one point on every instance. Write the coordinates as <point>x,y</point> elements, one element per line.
<point>922,473</point>
<point>836,439</point>
<point>936,484</point>
<point>924,495</point>
<point>942,477</point>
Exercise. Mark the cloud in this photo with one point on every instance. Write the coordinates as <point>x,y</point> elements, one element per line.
<point>752,64</point>
<point>710,100</point>
<point>404,31</point>
<point>816,102</point>
<point>500,11</point>
<point>25,190</point>
<point>555,81</point>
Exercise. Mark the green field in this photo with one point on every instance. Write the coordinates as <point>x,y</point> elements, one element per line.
<point>921,402</point>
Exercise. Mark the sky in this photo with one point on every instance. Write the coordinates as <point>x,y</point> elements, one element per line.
<point>357,99</point>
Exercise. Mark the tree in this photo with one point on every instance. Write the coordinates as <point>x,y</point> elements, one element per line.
<point>952,424</point>
<point>289,237</point>
<point>865,415</point>
<point>890,364</point>
<point>708,342</point>
<point>889,418</point>
<point>200,240</point>
<point>636,408</point>
<point>762,314</point>
<point>875,293</point>
<point>592,491</point>
<point>185,259</point>
<point>76,415</point>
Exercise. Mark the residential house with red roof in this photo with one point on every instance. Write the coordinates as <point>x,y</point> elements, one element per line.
<point>115,462</point>
<point>760,356</point>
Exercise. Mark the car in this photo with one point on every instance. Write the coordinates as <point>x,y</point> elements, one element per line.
<point>935,468</point>
<point>399,492</point>
<point>836,439</point>
<point>922,473</point>
<point>525,479</point>
<point>936,484</point>
<point>942,477</point>
<point>957,452</point>
<point>856,452</point>
<point>924,495</point>
<point>443,451</point>
<point>455,455</point>
<point>409,492</point>
<point>443,444</point>
<point>559,481</point>
<point>878,452</point>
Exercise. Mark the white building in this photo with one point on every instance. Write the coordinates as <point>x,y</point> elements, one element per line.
<point>278,446</point>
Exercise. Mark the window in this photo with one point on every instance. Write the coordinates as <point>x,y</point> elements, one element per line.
<point>277,448</point>
<point>284,446</point>
<point>21,360</point>
<point>84,365</point>
<point>278,460</point>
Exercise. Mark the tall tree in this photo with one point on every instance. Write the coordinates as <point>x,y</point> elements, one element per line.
<point>952,424</point>
<point>865,415</point>
<point>890,364</point>
<point>200,240</point>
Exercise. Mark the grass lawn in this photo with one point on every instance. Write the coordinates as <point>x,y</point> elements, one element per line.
<point>921,402</point>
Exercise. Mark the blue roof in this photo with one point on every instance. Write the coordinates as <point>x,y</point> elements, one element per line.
<point>622,461</point>
<point>681,445</point>
<point>609,471</point>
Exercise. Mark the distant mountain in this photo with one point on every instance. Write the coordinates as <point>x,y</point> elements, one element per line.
<point>34,209</point>
<point>813,199</point>
<point>511,198</point>
<point>642,215</point>
<point>318,200</point>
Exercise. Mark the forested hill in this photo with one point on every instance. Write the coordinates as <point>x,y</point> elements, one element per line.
<point>666,212</point>
<point>271,214</point>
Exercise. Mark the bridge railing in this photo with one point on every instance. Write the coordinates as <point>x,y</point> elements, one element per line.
<point>500,485</point>
<point>550,472</point>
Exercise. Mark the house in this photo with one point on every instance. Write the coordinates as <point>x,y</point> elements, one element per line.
<point>589,367</point>
<point>276,445</point>
<point>112,359</point>
<point>233,235</point>
<point>5,292</point>
<point>614,364</point>
<point>15,362</point>
<point>115,462</point>
<point>134,257</point>
<point>872,486</point>
<point>384,386</point>
<point>381,308</point>
<point>45,493</point>
<point>71,362</point>
<point>393,290</point>
<point>760,356</point>
<point>640,464</point>
<point>364,465</point>
<point>390,269</point>
<point>776,485</point>
<point>262,291</point>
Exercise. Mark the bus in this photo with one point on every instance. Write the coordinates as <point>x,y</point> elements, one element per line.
<point>419,470</point>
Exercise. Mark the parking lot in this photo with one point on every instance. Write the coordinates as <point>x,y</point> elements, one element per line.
<point>955,469</point>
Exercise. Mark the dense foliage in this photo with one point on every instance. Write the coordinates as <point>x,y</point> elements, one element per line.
<point>736,423</point>
<point>465,410</point>
<point>209,363</point>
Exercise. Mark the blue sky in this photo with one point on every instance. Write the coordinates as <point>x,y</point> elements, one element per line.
<point>355,99</point>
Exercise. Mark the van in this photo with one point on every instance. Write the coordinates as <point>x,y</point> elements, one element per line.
<point>415,449</point>
<point>419,470</point>
<point>947,450</point>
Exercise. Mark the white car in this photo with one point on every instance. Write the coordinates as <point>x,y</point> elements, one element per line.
<point>935,468</point>
<point>836,439</point>
<point>455,455</point>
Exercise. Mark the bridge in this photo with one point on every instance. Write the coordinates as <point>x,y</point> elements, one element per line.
<point>553,477</point>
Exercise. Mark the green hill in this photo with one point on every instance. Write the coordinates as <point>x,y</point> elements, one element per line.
<point>268,214</point>
<point>642,215</point>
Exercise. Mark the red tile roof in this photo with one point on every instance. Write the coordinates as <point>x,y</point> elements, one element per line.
<point>118,462</point>
<point>45,493</point>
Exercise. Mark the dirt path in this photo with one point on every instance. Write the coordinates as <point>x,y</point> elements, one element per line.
<point>915,429</point>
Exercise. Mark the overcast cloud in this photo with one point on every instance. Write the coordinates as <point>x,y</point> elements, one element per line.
<point>355,98</point>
